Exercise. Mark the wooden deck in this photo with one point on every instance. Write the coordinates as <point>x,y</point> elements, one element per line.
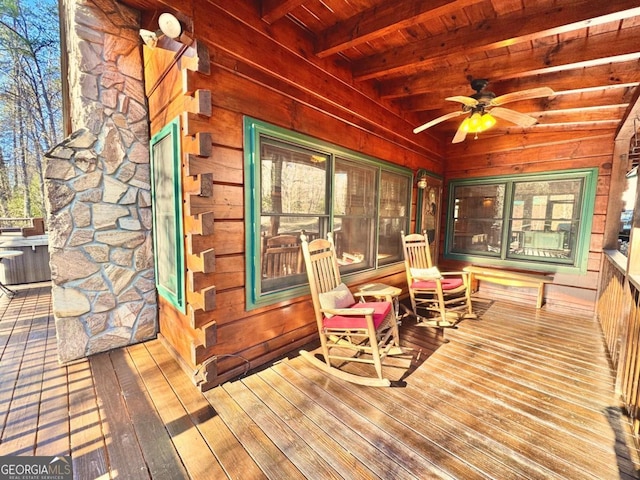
<point>518,393</point>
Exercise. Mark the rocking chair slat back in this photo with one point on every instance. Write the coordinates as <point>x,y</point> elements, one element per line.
<point>355,333</point>
<point>417,251</point>
<point>448,296</point>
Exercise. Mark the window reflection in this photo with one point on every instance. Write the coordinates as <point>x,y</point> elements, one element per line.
<point>526,220</point>
<point>293,200</point>
<point>300,185</point>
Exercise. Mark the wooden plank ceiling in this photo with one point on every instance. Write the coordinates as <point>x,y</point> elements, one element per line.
<point>416,53</point>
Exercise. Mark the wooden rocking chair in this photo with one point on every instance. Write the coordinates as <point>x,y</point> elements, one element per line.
<point>281,257</point>
<point>350,331</point>
<point>438,299</point>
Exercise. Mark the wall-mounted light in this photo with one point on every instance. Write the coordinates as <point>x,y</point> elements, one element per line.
<point>170,27</point>
<point>422,179</point>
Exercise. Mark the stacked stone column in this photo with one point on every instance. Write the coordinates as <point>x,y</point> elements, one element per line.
<point>98,188</point>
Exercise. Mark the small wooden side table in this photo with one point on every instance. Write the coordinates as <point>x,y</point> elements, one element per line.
<point>380,291</point>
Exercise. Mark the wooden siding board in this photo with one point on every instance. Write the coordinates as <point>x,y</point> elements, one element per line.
<point>229,305</point>
<point>226,165</point>
<point>228,239</point>
<point>229,273</point>
<point>177,330</point>
<point>244,95</point>
<point>226,202</point>
<point>232,335</point>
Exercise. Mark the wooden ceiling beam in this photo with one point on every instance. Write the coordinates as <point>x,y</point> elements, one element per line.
<point>578,54</point>
<point>381,20</point>
<point>589,99</point>
<point>631,119</point>
<point>611,112</point>
<point>273,10</point>
<point>493,33</point>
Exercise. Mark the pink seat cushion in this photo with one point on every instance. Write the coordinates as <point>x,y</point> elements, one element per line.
<point>381,310</point>
<point>447,283</point>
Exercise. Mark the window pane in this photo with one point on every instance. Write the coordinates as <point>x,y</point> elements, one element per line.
<point>293,200</point>
<point>281,263</point>
<point>545,219</point>
<point>293,179</point>
<point>354,200</point>
<point>167,215</point>
<point>164,199</point>
<point>394,194</point>
<point>295,184</point>
<point>477,218</point>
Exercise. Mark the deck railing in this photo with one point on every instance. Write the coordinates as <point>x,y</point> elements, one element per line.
<point>619,315</point>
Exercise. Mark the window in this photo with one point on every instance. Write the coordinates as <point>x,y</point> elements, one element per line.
<point>528,221</point>
<point>297,184</point>
<point>166,191</point>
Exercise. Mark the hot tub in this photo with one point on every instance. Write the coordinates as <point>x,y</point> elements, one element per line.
<point>30,267</point>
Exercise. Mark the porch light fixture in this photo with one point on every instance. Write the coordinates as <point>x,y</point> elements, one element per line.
<point>170,25</point>
<point>422,179</point>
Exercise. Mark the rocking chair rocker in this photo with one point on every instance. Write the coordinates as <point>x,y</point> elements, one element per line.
<point>438,299</point>
<point>350,331</point>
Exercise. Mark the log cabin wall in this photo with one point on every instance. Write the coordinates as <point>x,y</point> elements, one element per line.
<point>237,68</point>
<point>537,153</point>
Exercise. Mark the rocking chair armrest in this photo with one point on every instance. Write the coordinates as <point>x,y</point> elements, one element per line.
<point>464,274</point>
<point>356,312</point>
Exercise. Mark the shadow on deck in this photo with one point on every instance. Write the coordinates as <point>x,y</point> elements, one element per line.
<point>518,393</point>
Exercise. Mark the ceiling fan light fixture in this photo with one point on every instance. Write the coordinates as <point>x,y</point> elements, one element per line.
<point>487,121</point>
<point>477,122</point>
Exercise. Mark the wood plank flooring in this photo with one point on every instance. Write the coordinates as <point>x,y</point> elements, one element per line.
<point>519,393</point>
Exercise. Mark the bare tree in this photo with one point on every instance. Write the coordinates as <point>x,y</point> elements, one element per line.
<point>30,98</point>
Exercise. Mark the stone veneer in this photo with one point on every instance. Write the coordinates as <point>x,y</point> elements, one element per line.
<point>98,188</point>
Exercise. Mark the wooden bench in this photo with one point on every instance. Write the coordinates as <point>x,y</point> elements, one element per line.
<point>510,278</point>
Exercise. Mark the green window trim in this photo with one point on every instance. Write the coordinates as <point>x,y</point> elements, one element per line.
<point>256,130</point>
<point>168,234</point>
<point>502,257</point>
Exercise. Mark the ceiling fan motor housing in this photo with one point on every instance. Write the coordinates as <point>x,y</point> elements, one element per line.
<point>483,97</point>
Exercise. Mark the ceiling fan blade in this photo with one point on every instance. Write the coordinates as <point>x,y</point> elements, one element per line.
<point>514,117</point>
<point>468,101</point>
<point>460,135</point>
<point>436,121</point>
<point>522,95</point>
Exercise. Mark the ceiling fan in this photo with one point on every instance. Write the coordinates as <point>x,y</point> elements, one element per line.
<point>483,106</point>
